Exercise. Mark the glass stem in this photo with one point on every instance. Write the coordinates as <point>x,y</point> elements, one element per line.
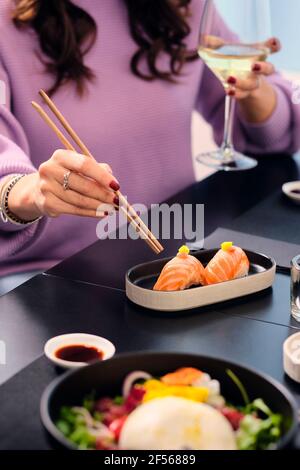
<point>227,146</point>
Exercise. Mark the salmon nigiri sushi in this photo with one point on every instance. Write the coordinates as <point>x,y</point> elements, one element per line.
<point>181,272</point>
<point>231,262</point>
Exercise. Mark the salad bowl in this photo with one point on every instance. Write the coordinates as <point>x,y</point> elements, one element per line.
<point>105,379</point>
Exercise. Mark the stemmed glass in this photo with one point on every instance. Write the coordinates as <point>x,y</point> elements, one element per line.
<point>232,38</point>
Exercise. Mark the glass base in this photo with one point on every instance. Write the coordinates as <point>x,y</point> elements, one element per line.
<point>220,161</point>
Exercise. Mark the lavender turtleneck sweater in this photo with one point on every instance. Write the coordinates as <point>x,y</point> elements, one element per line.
<point>141,129</point>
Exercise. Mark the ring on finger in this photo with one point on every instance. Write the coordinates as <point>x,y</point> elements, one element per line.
<point>66,185</point>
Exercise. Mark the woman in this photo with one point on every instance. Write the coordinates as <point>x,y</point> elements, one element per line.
<point>125,74</point>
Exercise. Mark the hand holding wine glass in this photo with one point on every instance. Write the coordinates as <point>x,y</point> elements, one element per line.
<point>238,60</point>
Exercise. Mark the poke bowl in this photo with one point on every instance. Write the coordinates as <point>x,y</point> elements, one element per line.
<point>235,408</point>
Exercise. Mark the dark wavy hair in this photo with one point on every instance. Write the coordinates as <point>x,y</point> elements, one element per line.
<point>66,33</point>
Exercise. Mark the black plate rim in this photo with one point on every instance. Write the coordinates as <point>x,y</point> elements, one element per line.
<point>166,260</point>
<point>59,437</point>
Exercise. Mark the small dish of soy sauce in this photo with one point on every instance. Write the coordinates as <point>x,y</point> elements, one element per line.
<point>75,350</point>
<point>292,191</point>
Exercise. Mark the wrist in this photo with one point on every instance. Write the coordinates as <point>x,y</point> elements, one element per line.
<point>21,200</point>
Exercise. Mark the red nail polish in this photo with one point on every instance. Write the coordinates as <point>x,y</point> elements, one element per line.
<point>231,93</point>
<point>274,43</point>
<point>114,185</point>
<point>256,68</point>
<point>116,201</point>
<point>231,80</point>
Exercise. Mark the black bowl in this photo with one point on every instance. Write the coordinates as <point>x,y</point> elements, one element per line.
<point>106,379</point>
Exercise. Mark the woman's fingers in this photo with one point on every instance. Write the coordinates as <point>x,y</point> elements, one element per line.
<point>85,186</point>
<point>52,206</point>
<point>106,167</point>
<point>252,82</point>
<point>263,68</point>
<point>237,93</point>
<point>213,42</point>
<point>90,190</point>
<point>241,88</point>
<point>273,44</point>
<point>86,166</point>
<point>74,198</point>
<point>247,84</point>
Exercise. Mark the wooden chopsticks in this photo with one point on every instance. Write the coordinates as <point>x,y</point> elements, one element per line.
<point>126,208</point>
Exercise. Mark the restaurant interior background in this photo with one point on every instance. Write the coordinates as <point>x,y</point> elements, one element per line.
<point>285,17</point>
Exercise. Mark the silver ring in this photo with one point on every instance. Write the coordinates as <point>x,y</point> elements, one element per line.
<point>66,181</point>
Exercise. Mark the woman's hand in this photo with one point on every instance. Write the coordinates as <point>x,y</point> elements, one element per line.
<point>257,97</point>
<point>90,185</point>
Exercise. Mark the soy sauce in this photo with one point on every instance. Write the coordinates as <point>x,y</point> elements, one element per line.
<point>79,353</point>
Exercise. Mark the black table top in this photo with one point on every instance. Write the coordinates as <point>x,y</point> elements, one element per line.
<point>48,306</point>
<point>84,294</point>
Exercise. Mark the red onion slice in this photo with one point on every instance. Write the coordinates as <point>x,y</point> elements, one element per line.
<point>132,378</point>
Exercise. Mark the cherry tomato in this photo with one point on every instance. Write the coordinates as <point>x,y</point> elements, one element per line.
<point>233,416</point>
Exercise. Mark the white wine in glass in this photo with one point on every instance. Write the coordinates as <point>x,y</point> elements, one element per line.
<point>232,60</point>
<point>246,26</point>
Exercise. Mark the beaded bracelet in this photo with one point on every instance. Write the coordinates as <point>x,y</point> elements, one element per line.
<point>6,214</point>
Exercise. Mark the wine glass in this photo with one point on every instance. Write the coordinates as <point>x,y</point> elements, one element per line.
<point>232,38</point>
